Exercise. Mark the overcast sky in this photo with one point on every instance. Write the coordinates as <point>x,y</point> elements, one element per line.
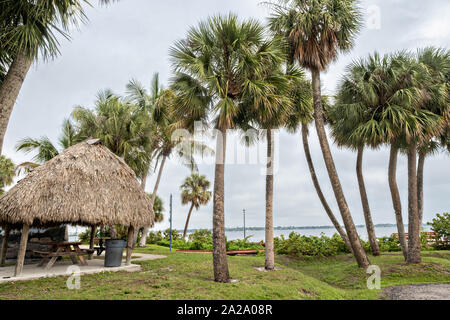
<point>131,39</point>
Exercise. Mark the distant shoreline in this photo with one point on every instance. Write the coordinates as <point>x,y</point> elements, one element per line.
<point>380,225</point>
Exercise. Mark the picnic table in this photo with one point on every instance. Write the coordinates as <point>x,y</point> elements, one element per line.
<point>63,249</point>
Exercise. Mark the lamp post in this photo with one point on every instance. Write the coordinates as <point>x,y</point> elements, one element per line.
<point>244,221</point>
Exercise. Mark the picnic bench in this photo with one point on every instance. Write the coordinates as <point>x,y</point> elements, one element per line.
<point>63,249</point>
<point>431,238</point>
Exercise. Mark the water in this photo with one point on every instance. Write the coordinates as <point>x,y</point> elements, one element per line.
<point>258,235</point>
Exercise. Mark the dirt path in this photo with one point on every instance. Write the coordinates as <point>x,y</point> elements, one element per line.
<point>438,291</point>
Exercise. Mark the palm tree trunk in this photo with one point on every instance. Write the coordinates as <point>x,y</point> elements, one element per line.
<point>10,88</point>
<point>358,250</point>
<point>143,241</point>
<point>365,204</point>
<point>413,210</point>
<point>269,246</point>
<point>420,168</point>
<point>315,181</point>
<point>396,202</point>
<point>136,232</point>
<point>221,273</point>
<point>187,221</point>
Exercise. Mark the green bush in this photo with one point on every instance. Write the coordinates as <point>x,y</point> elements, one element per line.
<point>154,237</point>
<point>389,244</point>
<point>175,234</point>
<point>299,245</point>
<point>201,240</point>
<point>441,225</point>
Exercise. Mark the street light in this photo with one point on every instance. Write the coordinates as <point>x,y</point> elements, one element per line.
<point>244,221</point>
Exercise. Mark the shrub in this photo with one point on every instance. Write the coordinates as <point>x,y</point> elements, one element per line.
<point>243,244</point>
<point>154,237</point>
<point>299,245</point>
<point>201,240</point>
<point>389,244</point>
<point>441,225</point>
<point>175,234</point>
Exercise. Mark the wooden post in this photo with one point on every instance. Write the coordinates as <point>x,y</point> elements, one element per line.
<point>91,242</point>
<point>4,248</point>
<point>22,250</point>
<point>130,244</point>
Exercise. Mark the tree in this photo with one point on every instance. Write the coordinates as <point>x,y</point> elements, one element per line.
<point>122,127</point>
<point>194,190</point>
<point>301,114</point>
<point>168,129</point>
<point>319,30</point>
<point>158,208</point>
<point>355,101</point>
<point>437,64</point>
<point>392,89</point>
<point>7,173</point>
<point>224,59</point>
<point>29,29</point>
<point>46,150</point>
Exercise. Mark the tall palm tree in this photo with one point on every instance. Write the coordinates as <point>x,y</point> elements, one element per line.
<point>29,29</point>
<point>394,95</point>
<point>356,99</point>
<point>437,63</point>
<point>300,115</point>
<point>319,30</point>
<point>167,139</point>
<point>270,115</point>
<point>194,190</point>
<point>224,58</point>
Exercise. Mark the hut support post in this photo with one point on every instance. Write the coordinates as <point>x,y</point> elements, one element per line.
<point>4,248</point>
<point>22,250</point>
<point>91,242</point>
<point>130,244</point>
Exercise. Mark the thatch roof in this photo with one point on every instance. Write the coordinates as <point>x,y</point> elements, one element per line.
<point>85,185</point>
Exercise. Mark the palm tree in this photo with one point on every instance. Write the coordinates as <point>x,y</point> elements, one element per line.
<point>269,116</point>
<point>158,208</point>
<point>161,105</point>
<point>194,190</point>
<point>318,31</point>
<point>300,115</point>
<point>46,150</point>
<point>122,127</point>
<point>29,29</point>
<point>394,94</point>
<point>356,99</point>
<point>224,59</point>
<point>437,63</point>
<point>7,173</point>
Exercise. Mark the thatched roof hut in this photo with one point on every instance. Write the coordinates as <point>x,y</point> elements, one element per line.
<point>84,185</point>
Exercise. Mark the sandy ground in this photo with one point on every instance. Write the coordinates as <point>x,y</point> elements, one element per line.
<point>436,291</point>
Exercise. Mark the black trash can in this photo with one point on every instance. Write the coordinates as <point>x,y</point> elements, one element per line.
<point>114,252</point>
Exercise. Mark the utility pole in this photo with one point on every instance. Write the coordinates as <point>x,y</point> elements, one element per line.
<point>244,221</point>
<point>170,222</point>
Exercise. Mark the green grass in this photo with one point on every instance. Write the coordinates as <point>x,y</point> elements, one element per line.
<point>189,276</point>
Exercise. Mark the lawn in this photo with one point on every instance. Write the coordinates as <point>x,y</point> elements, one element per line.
<point>189,276</point>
